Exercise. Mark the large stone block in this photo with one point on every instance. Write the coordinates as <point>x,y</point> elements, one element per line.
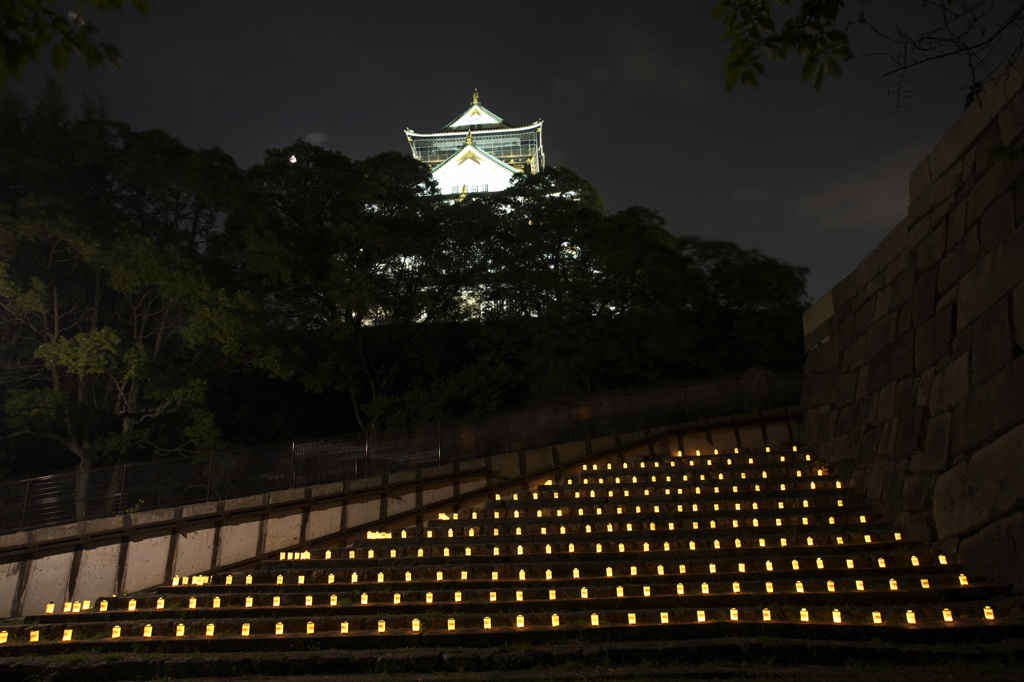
<point>956,223</point>
<point>995,274</point>
<point>993,407</point>
<point>935,455</point>
<point>959,259</point>
<point>866,271</point>
<point>895,361</point>
<point>979,491</point>
<point>925,295</point>
<point>992,344</point>
<point>917,491</point>
<point>997,222</point>
<point>997,551</point>
<point>933,340</point>
<point>950,385</point>
<point>930,249</point>
<point>1018,316</point>
<point>924,386</point>
<point>910,432</point>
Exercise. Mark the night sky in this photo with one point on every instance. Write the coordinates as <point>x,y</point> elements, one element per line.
<point>631,93</point>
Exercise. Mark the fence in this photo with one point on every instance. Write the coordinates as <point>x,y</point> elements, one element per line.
<point>51,500</point>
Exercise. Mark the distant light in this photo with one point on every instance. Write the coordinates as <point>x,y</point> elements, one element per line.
<point>293,159</point>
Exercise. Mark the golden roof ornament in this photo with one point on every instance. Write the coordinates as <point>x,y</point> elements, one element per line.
<point>469,138</point>
<point>476,96</point>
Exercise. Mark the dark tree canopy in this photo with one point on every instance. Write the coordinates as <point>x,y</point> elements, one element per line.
<point>156,301</point>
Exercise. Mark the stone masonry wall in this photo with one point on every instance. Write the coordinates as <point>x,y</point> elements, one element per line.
<point>914,376</point>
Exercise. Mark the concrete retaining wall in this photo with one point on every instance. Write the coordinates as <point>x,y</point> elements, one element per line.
<point>915,366</point>
<point>94,559</point>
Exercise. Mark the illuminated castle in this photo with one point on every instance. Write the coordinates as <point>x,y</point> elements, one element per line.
<point>478,151</point>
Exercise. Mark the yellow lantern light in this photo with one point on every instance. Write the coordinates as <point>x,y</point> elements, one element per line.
<point>631,617</point>
<point>963,579</point>
<point>609,572</point>
<point>831,586</point>
<point>735,587</point>
<point>876,617</point>
<point>519,595</point>
<point>309,600</point>
<point>619,592</point>
<point>344,627</point>
<point>704,589</point>
<point>160,603</point>
<point>661,569</point>
<point>381,626</point>
<point>924,583</point>
<point>700,616</point>
<point>594,620</point>
<point>364,599</point>
<point>893,585</point>
<point>914,561</point>
<point>942,559</point>
<point>210,629</point>
<point>451,623</point>
<point>551,595</point>
<point>179,630</point>
<point>192,603</point>
<point>131,604</point>
<point>33,636</point>
<point>280,579</point>
<point>216,602</point>
<point>415,624</point>
<point>583,593</point>
<point>520,621</point>
<point>248,602</point>
<point>837,617</point>
<point>67,636</point>
<point>429,597</point>
<point>947,615</point>
<point>989,613</point>
<point>734,614</point>
<point>799,587</point>
<point>575,573</point>
<point>860,585</point>
<point>554,620</point>
<point>804,616</point>
<point>522,574</point>
<point>458,597</point>
<point>334,600</point>
<point>679,588</point>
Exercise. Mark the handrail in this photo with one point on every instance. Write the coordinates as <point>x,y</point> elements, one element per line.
<point>53,500</point>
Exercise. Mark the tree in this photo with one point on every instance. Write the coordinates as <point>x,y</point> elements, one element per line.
<point>986,35</point>
<point>357,265</point>
<point>111,313</point>
<point>27,27</point>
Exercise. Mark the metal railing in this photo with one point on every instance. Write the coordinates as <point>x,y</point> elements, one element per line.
<point>51,500</point>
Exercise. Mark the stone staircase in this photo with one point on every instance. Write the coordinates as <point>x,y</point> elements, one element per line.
<point>621,561</point>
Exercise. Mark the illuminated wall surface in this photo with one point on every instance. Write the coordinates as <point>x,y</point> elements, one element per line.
<point>915,361</point>
<point>478,151</point>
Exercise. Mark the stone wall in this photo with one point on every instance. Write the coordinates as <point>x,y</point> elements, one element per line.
<point>914,376</point>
